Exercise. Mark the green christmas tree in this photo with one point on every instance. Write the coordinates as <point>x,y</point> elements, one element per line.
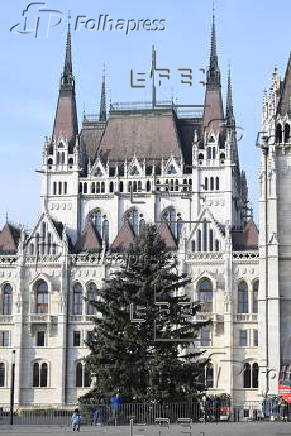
<point>142,344</point>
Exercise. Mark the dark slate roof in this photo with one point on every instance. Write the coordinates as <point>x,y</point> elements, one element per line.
<point>150,134</point>
<point>166,235</point>
<point>145,133</point>
<point>247,239</point>
<point>284,102</point>
<point>59,227</point>
<point>89,240</point>
<point>9,239</point>
<point>90,138</point>
<point>124,238</point>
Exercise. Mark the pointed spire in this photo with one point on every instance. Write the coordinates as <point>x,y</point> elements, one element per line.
<point>213,112</point>
<point>229,104</point>
<point>66,124</point>
<point>213,73</point>
<point>102,112</point>
<point>284,106</point>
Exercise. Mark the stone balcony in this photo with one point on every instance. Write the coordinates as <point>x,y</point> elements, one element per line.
<point>245,317</point>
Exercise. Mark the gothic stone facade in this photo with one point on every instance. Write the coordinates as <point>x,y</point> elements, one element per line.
<point>98,186</point>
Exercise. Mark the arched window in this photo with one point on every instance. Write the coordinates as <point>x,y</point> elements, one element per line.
<point>216,245</point>
<point>211,240</point>
<point>208,152</point>
<point>55,188</point>
<point>35,375</point>
<point>148,185</point>
<point>287,132</point>
<point>247,376</point>
<point>133,217</point>
<point>205,289</point>
<point>80,188</point>
<point>63,157</point>
<point>121,186</point>
<point>217,183</point>
<point>97,187</point>
<point>60,188</point>
<point>70,161</point>
<point>255,296</point>
<point>251,376</point>
<point>279,133</point>
<point>201,156</point>
<point>102,186</point>
<point>111,186</point>
<point>139,186</point>
<point>222,157</point>
<point>87,377</point>
<point>105,232</point>
<point>91,295</point>
<point>255,375</point>
<point>85,187</point>
<point>170,216</point>
<point>41,297</point>
<point>43,375</point>
<point>77,299</point>
<point>211,183</point>
<point>79,375</point>
<point>209,376</point>
<point>193,245</point>
<point>243,299</point>
<point>2,375</point>
<point>199,245</point>
<point>50,161</point>
<point>206,183</point>
<point>96,219</point>
<point>213,153</point>
<point>65,187</point>
<point>92,187</point>
<point>7,299</point>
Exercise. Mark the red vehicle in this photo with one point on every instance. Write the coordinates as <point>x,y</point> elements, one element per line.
<point>284,385</point>
<point>224,407</point>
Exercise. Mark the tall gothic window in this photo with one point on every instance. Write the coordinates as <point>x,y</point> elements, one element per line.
<point>287,132</point>
<point>40,375</point>
<point>2,375</point>
<point>41,297</point>
<point>243,298</point>
<point>279,133</point>
<point>174,221</point>
<point>91,295</point>
<point>209,376</point>
<point>101,224</point>
<point>205,289</point>
<point>251,376</point>
<point>77,299</point>
<point>79,375</point>
<point>7,299</point>
<point>255,296</point>
<point>133,218</point>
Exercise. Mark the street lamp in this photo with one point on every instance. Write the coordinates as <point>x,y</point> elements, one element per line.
<point>12,387</point>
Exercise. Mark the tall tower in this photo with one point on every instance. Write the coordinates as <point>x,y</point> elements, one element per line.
<point>61,155</point>
<point>215,154</point>
<point>275,233</point>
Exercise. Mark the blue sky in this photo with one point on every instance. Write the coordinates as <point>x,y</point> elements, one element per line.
<point>252,36</point>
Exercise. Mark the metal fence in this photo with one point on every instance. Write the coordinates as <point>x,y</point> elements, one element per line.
<point>151,413</point>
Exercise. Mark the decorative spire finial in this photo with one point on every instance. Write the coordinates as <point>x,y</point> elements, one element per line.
<point>213,73</point>
<point>6,217</point>
<point>102,113</point>
<point>229,104</point>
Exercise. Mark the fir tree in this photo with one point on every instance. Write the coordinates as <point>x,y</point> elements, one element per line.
<point>153,358</point>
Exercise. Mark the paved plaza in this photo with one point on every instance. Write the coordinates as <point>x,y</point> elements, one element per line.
<point>209,429</point>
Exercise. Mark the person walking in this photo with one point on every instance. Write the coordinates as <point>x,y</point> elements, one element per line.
<point>115,402</point>
<point>76,420</point>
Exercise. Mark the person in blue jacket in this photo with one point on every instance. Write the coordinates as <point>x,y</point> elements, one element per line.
<point>76,420</point>
<point>115,402</point>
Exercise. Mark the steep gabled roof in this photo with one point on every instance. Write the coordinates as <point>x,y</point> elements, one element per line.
<point>89,240</point>
<point>166,235</point>
<point>149,134</point>
<point>247,239</point>
<point>284,102</point>
<point>124,238</point>
<point>9,238</point>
